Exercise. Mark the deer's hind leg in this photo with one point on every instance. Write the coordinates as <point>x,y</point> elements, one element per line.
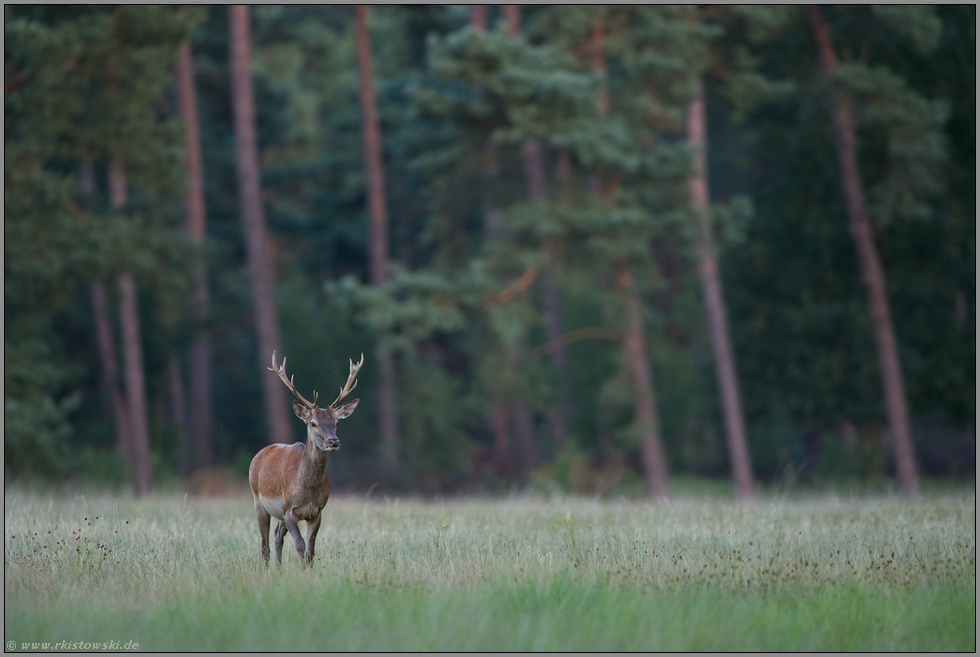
<point>280,535</point>
<point>264,518</point>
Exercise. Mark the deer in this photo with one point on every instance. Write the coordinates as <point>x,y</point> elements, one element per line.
<point>289,482</point>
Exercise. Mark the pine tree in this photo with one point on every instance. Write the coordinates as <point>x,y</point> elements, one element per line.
<point>98,72</point>
<point>109,370</point>
<point>710,279</point>
<point>498,402</point>
<point>195,218</point>
<point>634,341</point>
<point>533,158</point>
<point>132,349</point>
<point>253,218</point>
<point>378,210</point>
<point>872,271</point>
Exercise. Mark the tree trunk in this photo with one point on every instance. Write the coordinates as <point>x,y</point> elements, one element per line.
<point>554,321</point>
<point>135,384</point>
<point>178,408</point>
<point>512,16</point>
<point>555,328</point>
<point>109,371</point>
<point>200,422</point>
<point>371,133</point>
<point>501,435</point>
<point>499,416</point>
<point>522,420</point>
<point>378,216</point>
<point>253,216</point>
<point>644,401</point>
<point>597,57</point>
<point>105,343</point>
<point>523,426</point>
<point>129,321</point>
<point>86,178</point>
<point>509,406</point>
<point>195,222</point>
<point>871,270</point>
<point>478,17</point>
<point>714,302</point>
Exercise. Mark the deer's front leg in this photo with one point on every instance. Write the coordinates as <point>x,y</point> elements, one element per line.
<point>313,527</point>
<point>292,523</point>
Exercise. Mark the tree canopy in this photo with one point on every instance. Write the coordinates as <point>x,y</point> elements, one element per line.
<point>463,313</point>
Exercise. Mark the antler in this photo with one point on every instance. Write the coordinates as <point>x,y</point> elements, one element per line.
<point>281,372</point>
<point>348,388</point>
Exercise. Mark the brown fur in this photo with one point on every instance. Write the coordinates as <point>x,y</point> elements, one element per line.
<point>290,482</point>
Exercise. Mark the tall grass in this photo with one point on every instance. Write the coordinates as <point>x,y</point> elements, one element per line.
<point>522,574</point>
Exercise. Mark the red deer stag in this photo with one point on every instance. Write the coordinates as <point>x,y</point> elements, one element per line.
<point>289,482</point>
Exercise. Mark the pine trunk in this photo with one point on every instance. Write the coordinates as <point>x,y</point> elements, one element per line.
<point>634,343</point>
<point>86,178</point>
<point>555,328</point>
<point>105,343</point>
<point>872,272</point>
<point>135,383</point>
<point>523,427</point>
<point>714,302</point>
<point>512,17</point>
<point>200,422</point>
<point>554,324</point>
<point>478,17</point>
<point>178,406</point>
<point>555,321</point>
<point>522,420</point>
<point>644,398</point>
<point>378,217</point>
<point>109,371</point>
<point>253,216</point>
<point>195,223</point>
<point>501,434</point>
<point>129,321</point>
<point>499,415</point>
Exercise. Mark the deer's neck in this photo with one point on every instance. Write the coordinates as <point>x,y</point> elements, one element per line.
<point>314,465</point>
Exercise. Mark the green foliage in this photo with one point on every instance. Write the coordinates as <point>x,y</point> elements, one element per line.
<point>435,412</point>
<point>93,80</point>
<point>919,23</point>
<point>462,311</point>
<point>35,433</point>
<point>913,131</point>
<point>799,312</point>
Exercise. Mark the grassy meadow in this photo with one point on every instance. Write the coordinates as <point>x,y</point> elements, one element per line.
<point>873,573</point>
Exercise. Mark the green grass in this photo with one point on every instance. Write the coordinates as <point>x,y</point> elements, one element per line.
<point>818,573</point>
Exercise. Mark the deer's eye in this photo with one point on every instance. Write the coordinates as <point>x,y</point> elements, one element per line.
<point>312,424</point>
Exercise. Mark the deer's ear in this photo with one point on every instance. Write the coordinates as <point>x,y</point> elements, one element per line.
<point>345,410</point>
<point>301,410</point>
